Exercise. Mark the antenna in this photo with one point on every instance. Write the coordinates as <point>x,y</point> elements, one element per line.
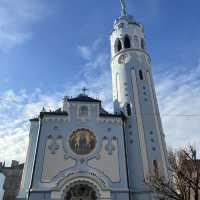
<point>123,8</point>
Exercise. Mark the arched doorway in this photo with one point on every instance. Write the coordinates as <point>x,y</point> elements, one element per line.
<point>81,192</point>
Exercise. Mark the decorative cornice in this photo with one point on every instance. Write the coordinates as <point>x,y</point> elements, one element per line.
<point>53,113</point>
<point>110,115</point>
<point>131,49</point>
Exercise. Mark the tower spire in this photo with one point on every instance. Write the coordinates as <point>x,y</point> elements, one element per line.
<point>123,8</point>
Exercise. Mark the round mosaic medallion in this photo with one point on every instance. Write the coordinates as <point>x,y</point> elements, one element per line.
<point>82,141</point>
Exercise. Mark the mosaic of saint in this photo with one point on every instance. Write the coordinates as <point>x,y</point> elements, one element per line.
<point>82,141</point>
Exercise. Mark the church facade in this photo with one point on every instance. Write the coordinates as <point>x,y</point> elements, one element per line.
<point>82,152</point>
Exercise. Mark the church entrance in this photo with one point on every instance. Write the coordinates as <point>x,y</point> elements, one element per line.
<point>81,192</point>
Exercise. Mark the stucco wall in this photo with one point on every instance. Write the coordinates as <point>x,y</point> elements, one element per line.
<point>55,159</point>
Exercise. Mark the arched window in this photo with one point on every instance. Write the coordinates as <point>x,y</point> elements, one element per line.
<point>141,75</point>
<point>127,43</point>
<point>83,112</point>
<point>118,45</point>
<point>128,108</point>
<point>142,44</point>
<point>136,41</point>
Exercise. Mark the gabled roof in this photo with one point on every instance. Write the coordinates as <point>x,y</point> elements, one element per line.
<point>84,98</point>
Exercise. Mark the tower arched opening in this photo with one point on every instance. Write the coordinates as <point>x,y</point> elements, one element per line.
<point>128,108</point>
<point>127,42</point>
<point>141,75</point>
<point>142,44</point>
<point>136,41</point>
<point>118,45</point>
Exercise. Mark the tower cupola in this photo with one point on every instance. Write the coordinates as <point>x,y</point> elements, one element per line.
<point>127,33</point>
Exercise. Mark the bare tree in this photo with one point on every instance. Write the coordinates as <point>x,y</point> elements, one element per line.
<point>184,176</point>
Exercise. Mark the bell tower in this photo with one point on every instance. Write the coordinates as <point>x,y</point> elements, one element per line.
<point>134,96</point>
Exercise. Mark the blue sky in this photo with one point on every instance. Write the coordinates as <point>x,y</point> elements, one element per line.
<point>49,49</point>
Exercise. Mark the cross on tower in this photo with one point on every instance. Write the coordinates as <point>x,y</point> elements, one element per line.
<point>123,8</point>
<point>84,89</point>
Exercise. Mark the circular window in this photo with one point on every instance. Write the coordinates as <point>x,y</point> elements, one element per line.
<point>82,141</point>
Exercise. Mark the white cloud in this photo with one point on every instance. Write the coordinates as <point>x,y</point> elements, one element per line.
<point>15,111</point>
<point>179,95</point>
<point>15,20</point>
<point>87,52</point>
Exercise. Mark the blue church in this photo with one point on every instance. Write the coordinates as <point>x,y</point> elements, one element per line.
<point>83,152</point>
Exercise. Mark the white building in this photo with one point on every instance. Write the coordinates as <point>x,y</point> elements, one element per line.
<point>82,152</point>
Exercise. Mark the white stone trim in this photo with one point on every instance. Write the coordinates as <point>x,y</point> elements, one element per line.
<point>55,118</point>
<point>109,120</point>
<point>140,125</point>
<point>118,88</point>
<point>56,195</point>
<point>67,182</point>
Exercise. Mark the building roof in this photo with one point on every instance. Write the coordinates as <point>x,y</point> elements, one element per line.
<point>34,119</point>
<point>84,98</point>
<point>79,98</point>
<point>57,112</point>
<point>19,166</point>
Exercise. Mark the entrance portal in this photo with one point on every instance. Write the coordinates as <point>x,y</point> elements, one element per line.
<point>81,192</point>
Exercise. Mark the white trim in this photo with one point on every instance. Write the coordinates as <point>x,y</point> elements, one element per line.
<point>67,182</point>
<point>118,88</point>
<point>140,125</point>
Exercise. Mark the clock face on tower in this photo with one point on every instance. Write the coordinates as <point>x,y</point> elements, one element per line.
<point>123,59</point>
<point>82,141</point>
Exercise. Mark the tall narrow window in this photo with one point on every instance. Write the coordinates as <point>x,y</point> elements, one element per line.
<point>142,43</point>
<point>127,43</point>
<point>118,88</point>
<point>136,41</point>
<point>155,166</point>
<point>141,75</point>
<point>118,45</point>
<point>128,108</point>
